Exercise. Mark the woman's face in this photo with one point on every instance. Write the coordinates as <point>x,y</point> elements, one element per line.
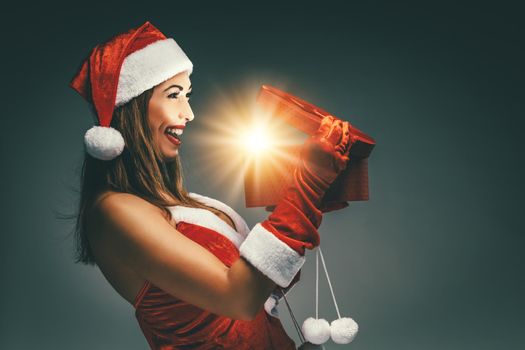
<point>168,112</point>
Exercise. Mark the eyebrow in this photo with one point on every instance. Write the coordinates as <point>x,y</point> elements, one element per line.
<point>177,86</point>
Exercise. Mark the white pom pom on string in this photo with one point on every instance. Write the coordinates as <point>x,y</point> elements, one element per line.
<point>316,331</point>
<point>343,330</point>
<point>104,143</point>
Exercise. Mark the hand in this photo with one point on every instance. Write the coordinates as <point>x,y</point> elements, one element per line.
<point>296,218</point>
<point>325,154</point>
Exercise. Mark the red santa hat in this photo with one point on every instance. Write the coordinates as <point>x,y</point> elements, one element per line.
<point>119,70</point>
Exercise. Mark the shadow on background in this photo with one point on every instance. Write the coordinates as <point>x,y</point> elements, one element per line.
<point>433,260</point>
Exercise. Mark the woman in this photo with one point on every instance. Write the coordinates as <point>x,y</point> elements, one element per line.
<point>196,275</point>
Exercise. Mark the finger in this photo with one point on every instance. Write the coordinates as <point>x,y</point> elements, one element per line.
<point>342,147</point>
<point>334,136</point>
<point>340,162</point>
<point>325,126</point>
<point>345,139</point>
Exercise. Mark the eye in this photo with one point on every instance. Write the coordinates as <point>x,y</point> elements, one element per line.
<point>188,95</point>
<point>174,95</point>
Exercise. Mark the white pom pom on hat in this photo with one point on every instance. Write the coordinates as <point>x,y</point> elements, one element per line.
<point>119,70</point>
<point>104,143</point>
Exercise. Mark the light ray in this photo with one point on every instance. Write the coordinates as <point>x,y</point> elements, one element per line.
<point>238,135</point>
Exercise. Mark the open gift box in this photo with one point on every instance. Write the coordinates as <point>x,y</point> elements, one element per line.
<point>265,181</point>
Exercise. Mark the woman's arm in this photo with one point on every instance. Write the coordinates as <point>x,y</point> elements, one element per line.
<point>139,234</point>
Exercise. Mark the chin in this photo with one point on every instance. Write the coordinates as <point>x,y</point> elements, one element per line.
<point>170,157</point>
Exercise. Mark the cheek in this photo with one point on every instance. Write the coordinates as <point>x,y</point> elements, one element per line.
<point>159,112</point>
<point>154,115</point>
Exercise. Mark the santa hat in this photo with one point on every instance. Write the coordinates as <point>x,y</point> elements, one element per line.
<point>119,70</point>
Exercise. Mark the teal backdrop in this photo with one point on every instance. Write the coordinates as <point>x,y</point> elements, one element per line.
<point>434,260</point>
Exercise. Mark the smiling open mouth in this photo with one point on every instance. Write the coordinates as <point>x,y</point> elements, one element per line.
<point>174,136</point>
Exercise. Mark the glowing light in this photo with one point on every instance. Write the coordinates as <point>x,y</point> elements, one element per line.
<point>257,140</point>
<point>236,136</point>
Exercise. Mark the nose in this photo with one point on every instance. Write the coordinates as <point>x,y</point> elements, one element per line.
<point>187,113</point>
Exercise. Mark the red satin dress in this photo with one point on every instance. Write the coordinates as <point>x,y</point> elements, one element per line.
<point>170,323</point>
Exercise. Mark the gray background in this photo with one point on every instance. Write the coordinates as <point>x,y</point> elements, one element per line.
<point>432,261</point>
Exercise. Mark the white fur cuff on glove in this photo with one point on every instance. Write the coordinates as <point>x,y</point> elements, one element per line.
<point>271,256</point>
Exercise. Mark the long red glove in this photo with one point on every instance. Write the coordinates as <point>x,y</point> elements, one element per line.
<point>276,246</point>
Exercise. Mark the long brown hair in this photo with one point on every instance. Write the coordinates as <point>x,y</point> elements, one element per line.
<point>139,170</point>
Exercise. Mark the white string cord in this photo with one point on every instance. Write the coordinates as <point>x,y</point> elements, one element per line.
<point>317,284</point>
<point>329,283</point>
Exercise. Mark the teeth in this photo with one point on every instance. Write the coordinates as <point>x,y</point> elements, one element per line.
<point>174,131</point>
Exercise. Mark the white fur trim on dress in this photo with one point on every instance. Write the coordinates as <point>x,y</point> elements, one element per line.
<point>104,143</point>
<point>150,66</point>
<point>206,218</point>
<point>271,256</point>
<point>239,222</point>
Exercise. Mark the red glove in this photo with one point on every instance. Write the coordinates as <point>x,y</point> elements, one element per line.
<point>277,245</point>
<point>325,207</point>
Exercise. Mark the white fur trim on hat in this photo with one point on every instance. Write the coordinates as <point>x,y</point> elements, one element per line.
<point>271,256</point>
<point>150,66</point>
<point>104,143</point>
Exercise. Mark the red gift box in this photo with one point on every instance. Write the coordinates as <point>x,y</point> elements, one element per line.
<point>265,181</point>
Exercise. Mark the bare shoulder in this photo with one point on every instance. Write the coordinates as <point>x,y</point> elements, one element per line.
<point>114,207</point>
<point>137,234</point>
<point>109,202</point>
<point>116,218</point>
